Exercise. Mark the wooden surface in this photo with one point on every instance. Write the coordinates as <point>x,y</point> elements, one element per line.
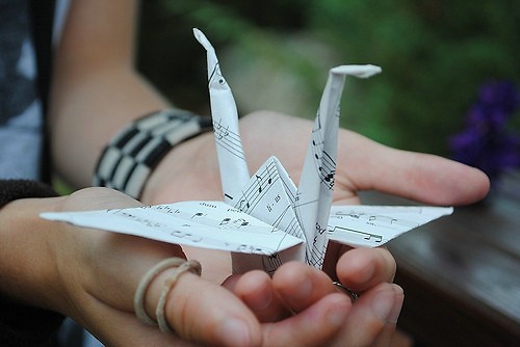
<point>461,274</point>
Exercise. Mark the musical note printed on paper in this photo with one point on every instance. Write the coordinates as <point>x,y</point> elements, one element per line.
<point>266,220</point>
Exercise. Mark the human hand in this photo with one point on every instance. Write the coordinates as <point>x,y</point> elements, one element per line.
<point>92,275</point>
<point>96,274</point>
<point>370,320</point>
<point>362,165</point>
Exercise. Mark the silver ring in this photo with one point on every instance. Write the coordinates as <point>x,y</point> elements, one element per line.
<point>353,296</point>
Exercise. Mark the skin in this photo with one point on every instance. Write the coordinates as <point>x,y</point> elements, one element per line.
<point>78,272</point>
<point>92,275</point>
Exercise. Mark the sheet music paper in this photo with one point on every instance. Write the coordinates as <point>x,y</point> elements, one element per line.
<point>233,165</point>
<point>314,196</point>
<point>264,219</point>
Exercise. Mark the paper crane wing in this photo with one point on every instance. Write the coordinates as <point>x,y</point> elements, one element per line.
<point>205,224</point>
<point>372,226</point>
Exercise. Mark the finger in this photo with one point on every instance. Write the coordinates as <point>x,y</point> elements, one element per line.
<point>300,286</point>
<point>109,255</point>
<point>118,328</point>
<point>198,310</point>
<point>201,311</point>
<point>256,290</point>
<point>363,268</point>
<point>359,268</point>
<point>385,338</point>
<point>377,311</point>
<point>421,177</point>
<point>317,325</point>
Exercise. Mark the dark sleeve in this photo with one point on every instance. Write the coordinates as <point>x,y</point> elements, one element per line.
<point>18,189</point>
<point>26,326</point>
<point>22,325</point>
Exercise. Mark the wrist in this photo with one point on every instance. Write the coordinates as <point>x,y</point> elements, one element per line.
<point>187,172</point>
<point>131,156</point>
<point>27,251</point>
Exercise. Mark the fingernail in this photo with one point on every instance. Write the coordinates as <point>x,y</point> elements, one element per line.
<point>387,304</point>
<point>398,304</point>
<point>235,332</point>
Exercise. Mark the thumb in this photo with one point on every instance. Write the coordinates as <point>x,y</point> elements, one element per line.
<point>204,312</point>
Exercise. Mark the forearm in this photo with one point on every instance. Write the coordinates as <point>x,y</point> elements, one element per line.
<point>95,91</point>
<point>27,286</point>
<point>84,125</point>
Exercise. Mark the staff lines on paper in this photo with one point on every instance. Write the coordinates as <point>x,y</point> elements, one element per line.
<point>317,253</point>
<point>255,192</point>
<point>365,235</point>
<point>228,139</point>
<point>184,231</point>
<point>227,222</point>
<point>293,227</point>
<point>325,164</point>
<point>377,219</point>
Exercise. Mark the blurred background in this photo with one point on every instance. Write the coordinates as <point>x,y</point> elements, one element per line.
<point>450,68</point>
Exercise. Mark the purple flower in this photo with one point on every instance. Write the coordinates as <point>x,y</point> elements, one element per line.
<point>486,142</point>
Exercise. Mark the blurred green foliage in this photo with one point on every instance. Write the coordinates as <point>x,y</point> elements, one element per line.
<point>434,53</point>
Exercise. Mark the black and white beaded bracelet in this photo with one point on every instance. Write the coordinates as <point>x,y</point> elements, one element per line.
<point>130,157</point>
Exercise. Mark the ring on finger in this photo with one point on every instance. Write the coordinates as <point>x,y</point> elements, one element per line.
<point>353,296</point>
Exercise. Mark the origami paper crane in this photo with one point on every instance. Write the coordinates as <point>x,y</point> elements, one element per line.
<point>265,219</point>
